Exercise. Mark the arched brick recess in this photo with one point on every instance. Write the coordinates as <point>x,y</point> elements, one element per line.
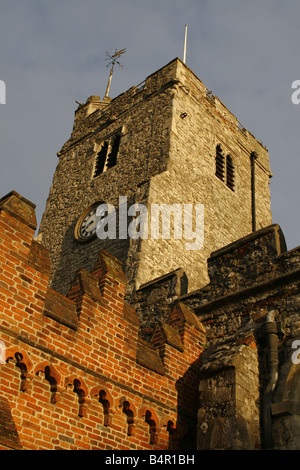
<point>52,376</point>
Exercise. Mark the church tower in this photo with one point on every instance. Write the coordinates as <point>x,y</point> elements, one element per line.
<point>168,141</point>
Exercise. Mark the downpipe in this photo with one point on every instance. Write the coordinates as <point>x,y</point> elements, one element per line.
<point>253,157</point>
<point>270,334</point>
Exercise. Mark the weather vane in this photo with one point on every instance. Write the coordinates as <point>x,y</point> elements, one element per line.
<point>113,60</point>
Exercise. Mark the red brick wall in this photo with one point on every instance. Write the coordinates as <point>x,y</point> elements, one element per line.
<point>74,373</point>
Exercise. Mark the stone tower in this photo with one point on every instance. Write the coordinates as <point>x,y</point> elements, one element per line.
<point>166,141</point>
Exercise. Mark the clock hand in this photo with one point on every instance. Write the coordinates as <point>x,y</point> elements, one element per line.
<point>91,222</point>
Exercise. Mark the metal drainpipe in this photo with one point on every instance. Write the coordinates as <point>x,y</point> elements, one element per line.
<point>253,157</point>
<point>270,333</point>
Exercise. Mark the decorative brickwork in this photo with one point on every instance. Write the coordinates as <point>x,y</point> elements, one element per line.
<point>75,373</point>
<point>216,372</point>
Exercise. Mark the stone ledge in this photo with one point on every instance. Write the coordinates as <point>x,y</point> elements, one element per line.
<point>148,356</point>
<point>60,309</point>
<point>20,208</point>
<point>172,337</point>
<point>284,408</point>
<point>108,265</point>
<point>89,285</point>
<point>275,229</point>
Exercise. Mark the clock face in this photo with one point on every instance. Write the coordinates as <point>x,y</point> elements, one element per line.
<point>86,226</point>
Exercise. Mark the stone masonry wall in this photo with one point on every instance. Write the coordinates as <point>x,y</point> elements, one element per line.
<point>250,311</point>
<point>141,113</point>
<point>170,128</point>
<point>199,123</point>
<point>73,372</point>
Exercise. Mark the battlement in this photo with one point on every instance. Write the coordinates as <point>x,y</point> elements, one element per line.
<point>74,372</point>
<point>256,261</point>
<point>175,74</point>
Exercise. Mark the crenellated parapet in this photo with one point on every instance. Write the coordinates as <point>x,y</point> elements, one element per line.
<point>74,373</point>
<point>216,368</point>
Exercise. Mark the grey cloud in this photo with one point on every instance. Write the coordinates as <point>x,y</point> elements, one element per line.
<point>53,53</point>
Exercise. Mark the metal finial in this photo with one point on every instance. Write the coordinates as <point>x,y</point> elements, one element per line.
<point>113,60</point>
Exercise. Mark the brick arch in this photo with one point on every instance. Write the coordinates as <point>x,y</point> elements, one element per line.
<point>51,375</point>
<point>150,417</point>
<point>81,391</point>
<point>168,423</point>
<point>106,400</point>
<point>23,363</point>
<point>130,411</point>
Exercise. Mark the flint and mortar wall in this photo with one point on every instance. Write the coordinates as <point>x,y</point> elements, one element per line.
<point>249,279</point>
<point>170,129</point>
<point>142,114</point>
<point>73,372</point>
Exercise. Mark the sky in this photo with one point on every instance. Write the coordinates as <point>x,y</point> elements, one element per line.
<point>53,53</point>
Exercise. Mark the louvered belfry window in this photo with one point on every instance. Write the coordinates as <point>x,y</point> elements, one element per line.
<point>100,159</point>
<point>229,173</point>
<point>107,156</point>
<point>220,163</point>
<point>225,168</point>
<point>114,149</point>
